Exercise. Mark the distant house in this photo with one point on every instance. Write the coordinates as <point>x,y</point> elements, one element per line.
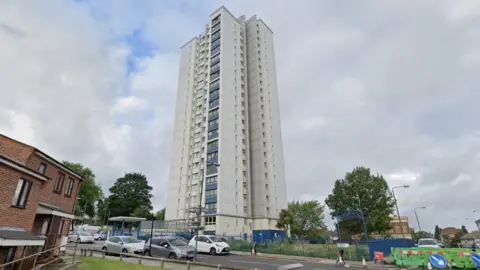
<point>399,228</point>
<point>467,240</point>
<point>450,232</point>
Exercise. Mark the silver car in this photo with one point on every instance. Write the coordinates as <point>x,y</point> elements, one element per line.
<point>123,244</point>
<point>171,247</point>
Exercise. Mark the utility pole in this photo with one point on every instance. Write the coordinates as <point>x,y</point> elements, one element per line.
<point>396,206</point>
<point>416,216</point>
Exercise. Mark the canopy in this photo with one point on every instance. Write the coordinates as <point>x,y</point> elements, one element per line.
<point>127,219</point>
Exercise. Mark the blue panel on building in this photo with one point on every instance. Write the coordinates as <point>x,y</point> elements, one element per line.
<point>262,236</point>
<point>211,186</point>
<point>212,149</point>
<point>211,199</point>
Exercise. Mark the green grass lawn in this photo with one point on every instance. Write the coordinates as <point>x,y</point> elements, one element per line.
<point>92,263</point>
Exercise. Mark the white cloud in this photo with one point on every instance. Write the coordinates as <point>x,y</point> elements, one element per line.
<point>389,85</point>
<point>129,104</point>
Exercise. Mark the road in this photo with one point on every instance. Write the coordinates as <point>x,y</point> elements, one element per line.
<point>236,260</point>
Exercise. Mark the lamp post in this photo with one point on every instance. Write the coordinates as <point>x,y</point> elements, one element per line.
<point>396,206</point>
<point>199,210</point>
<point>416,216</point>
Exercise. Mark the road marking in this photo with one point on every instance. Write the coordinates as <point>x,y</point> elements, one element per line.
<point>256,263</point>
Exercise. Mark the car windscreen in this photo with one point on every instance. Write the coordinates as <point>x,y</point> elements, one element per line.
<point>216,239</point>
<point>84,234</point>
<point>130,240</point>
<point>177,242</point>
<point>427,242</point>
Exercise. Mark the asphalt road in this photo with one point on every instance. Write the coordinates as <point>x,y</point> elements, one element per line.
<point>235,260</point>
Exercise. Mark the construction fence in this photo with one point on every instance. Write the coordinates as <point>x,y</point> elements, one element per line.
<point>456,257</point>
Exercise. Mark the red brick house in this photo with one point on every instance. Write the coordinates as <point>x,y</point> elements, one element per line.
<point>38,199</point>
<point>450,232</point>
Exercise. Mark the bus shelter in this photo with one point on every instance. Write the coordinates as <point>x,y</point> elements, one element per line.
<point>126,222</point>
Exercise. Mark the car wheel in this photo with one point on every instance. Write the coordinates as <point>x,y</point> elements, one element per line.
<point>124,251</point>
<point>104,249</point>
<point>172,256</point>
<point>213,251</point>
<point>69,240</point>
<point>147,253</point>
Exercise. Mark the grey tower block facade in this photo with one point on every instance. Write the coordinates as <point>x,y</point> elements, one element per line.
<point>227,153</point>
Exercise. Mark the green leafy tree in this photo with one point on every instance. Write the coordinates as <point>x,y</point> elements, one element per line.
<point>438,233</point>
<point>303,218</point>
<point>129,193</point>
<point>144,212</point>
<point>361,190</point>
<point>89,192</point>
<point>285,220</point>
<point>102,211</point>
<point>455,241</point>
<point>160,214</point>
<point>464,229</point>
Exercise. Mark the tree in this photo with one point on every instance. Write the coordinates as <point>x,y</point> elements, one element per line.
<point>464,229</point>
<point>455,241</point>
<point>360,190</point>
<point>102,211</point>
<point>302,218</point>
<point>422,234</point>
<point>128,193</point>
<point>160,215</point>
<point>438,233</point>
<point>89,192</point>
<point>285,220</point>
<point>144,212</point>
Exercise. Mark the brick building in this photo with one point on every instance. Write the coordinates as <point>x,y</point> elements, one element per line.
<point>38,199</point>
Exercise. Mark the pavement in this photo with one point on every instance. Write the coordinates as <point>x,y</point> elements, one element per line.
<point>244,260</point>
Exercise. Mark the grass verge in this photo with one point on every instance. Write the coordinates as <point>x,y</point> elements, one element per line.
<point>92,263</point>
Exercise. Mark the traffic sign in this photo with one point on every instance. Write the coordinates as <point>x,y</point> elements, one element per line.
<point>476,259</point>
<point>438,261</point>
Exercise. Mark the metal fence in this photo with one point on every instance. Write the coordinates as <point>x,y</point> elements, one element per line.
<point>308,247</point>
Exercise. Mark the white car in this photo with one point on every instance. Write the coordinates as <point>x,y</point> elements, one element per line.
<point>428,243</point>
<point>210,244</point>
<point>81,237</point>
<point>123,244</point>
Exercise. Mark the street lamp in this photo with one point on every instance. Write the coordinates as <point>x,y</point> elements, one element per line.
<point>199,210</point>
<point>416,216</point>
<point>396,206</point>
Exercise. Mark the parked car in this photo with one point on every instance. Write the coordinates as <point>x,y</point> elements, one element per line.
<point>172,247</point>
<point>428,243</point>
<point>100,235</point>
<point>123,244</point>
<point>80,237</point>
<point>210,244</point>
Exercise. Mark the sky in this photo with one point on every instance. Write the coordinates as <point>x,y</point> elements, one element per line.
<point>391,85</point>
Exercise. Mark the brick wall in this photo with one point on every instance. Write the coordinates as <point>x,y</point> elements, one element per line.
<point>15,150</point>
<point>11,216</point>
<point>47,193</point>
